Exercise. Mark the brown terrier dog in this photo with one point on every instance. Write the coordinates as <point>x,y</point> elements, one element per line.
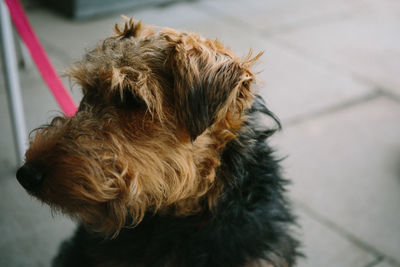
<point>165,163</point>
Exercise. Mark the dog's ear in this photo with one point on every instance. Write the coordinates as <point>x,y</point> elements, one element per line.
<point>209,83</point>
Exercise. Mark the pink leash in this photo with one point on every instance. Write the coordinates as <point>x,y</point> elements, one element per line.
<point>40,58</point>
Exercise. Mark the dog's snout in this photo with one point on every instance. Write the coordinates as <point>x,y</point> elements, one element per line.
<point>30,177</point>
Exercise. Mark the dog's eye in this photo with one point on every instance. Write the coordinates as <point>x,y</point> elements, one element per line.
<point>131,100</point>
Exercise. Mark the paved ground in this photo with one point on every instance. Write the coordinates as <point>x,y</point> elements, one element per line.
<point>331,72</point>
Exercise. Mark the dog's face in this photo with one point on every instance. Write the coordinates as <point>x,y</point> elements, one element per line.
<point>158,108</point>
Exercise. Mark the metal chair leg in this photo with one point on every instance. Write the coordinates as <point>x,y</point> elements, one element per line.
<point>12,82</point>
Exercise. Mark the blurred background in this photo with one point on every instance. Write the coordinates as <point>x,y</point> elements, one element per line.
<point>330,71</point>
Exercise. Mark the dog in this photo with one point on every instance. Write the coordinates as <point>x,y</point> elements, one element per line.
<point>165,162</point>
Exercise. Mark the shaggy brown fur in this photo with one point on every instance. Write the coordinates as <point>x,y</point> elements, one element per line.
<point>158,108</point>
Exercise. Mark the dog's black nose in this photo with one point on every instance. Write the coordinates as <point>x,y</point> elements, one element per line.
<point>30,177</point>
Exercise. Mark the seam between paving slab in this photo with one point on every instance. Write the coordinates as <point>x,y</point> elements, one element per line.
<point>346,234</point>
<point>330,65</point>
<point>388,94</point>
<point>334,108</point>
<point>375,262</point>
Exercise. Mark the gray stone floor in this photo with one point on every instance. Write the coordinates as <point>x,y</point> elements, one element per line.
<point>331,72</point>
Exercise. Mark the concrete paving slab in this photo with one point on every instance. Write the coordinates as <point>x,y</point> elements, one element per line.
<point>366,43</point>
<point>323,247</point>
<point>281,15</point>
<point>345,167</point>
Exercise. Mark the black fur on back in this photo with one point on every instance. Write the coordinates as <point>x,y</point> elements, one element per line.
<point>252,219</point>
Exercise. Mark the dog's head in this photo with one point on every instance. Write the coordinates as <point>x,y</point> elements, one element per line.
<point>158,107</point>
